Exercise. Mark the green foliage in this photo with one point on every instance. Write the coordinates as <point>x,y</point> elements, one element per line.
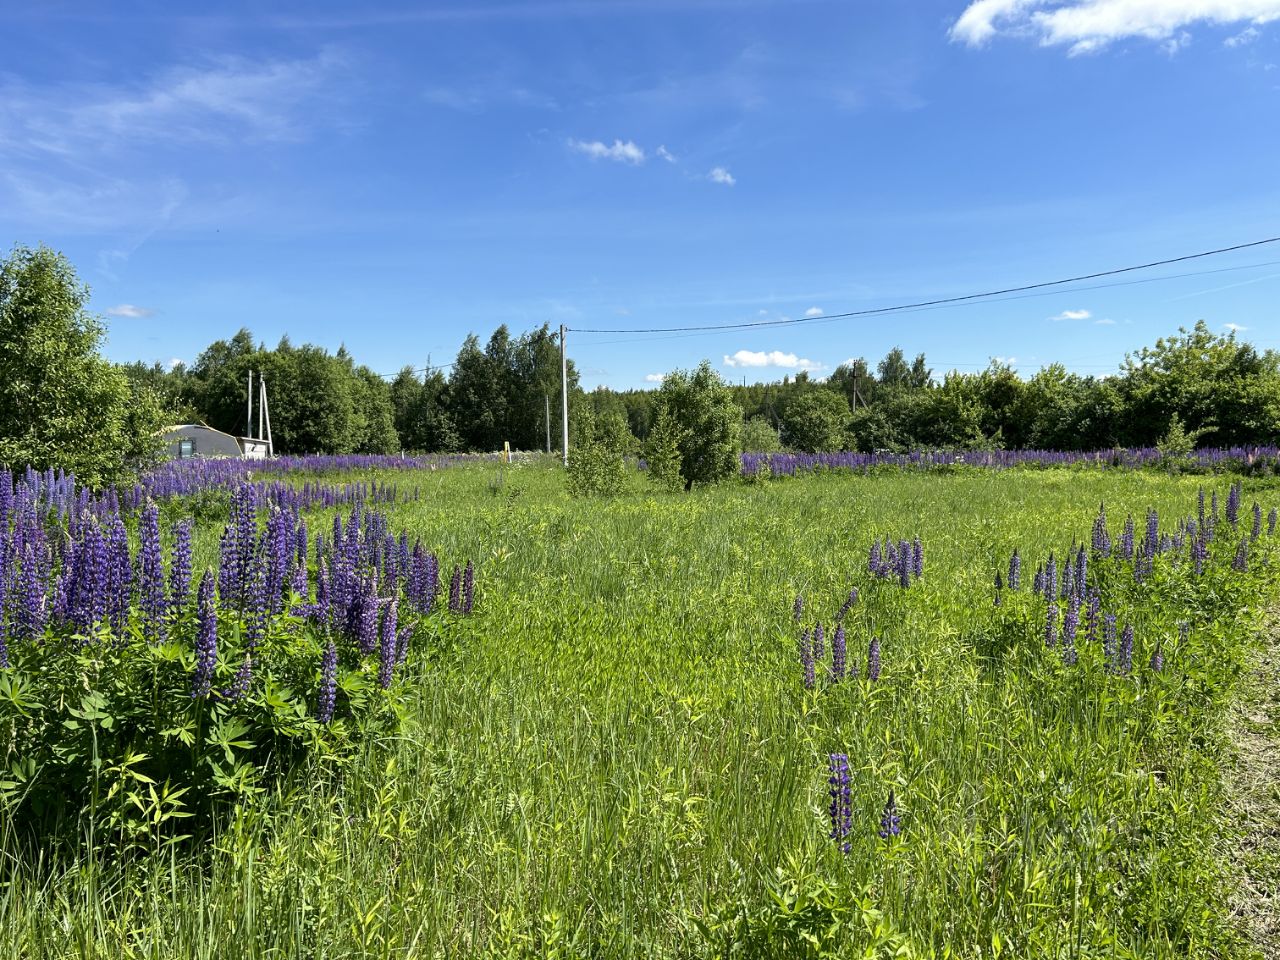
<point>709,421</point>
<point>1178,442</point>
<point>759,436</point>
<point>662,452</point>
<point>597,465</point>
<point>61,404</point>
<point>816,421</point>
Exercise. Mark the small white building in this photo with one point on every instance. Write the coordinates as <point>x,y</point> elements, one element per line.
<point>187,440</point>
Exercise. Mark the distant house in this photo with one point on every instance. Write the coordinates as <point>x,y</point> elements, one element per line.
<point>186,440</point>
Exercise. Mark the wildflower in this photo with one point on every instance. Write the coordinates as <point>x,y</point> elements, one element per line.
<point>1157,659</point>
<point>1241,562</point>
<point>840,810</point>
<point>151,575</point>
<point>1233,503</point>
<point>999,587</point>
<point>839,654</point>
<point>1271,521</point>
<point>847,605</point>
<point>874,561</point>
<point>206,638</point>
<point>807,660</point>
<point>890,822</point>
<point>1082,566</point>
<point>1101,539</point>
<point>1126,539</point>
<point>1015,570</point>
<point>1153,528</point>
<point>917,559</point>
<point>1070,623</point>
<point>328,684</point>
<point>873,659</point>
<point>797,608</point>
<point>390,641</point>
<point>240,682</point>
<point>180,568</point>
<point>1257,522</point>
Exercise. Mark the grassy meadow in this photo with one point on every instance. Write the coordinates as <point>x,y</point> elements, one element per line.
<point>616,755</point>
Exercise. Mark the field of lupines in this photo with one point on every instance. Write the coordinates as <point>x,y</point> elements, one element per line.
<point>968,713</point>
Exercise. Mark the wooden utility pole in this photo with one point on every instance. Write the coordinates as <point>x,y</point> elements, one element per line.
<point>564,396</point>
<point>547,419</point>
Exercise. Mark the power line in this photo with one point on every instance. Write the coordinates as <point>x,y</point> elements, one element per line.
<point>438,366</point>
<point>944,306</point>
<point>939,302</point>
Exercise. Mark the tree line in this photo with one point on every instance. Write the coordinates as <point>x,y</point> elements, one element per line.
<point>62,404</point>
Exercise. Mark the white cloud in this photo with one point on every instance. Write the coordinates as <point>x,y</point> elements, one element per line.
<point>813,312</point>
<point>1073,315</point>
<point>1246,36</point>
<point>771,358</point>
<point>627,152</point>
<point>654,377</point>
<point>1006,361</point>
<point>1086,26</point>
<point>1105,322</point>
<point>1234,327</point>
<point>132,311</point>
<point>175,362</point>
<point>721,175</point>
<point>665,154</point>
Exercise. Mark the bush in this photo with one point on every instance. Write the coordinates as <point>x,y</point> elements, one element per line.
<point>708,420</point>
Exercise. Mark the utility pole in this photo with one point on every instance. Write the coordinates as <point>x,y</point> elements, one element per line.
<point>266,410</point>
<point>248,429</point>
<point>564,396</point>
<point>262,388</point>
<point>547,419</point>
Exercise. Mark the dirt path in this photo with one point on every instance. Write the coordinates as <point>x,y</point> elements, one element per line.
<point>1255,786</point>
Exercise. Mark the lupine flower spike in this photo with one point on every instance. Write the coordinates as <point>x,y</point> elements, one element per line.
<point>840,809</point>
<point>890,822</point>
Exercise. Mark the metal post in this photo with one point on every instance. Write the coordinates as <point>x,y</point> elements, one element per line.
<point>262,381</point>
<point>271,447</point>
<point>547,398</point>
<point>564,396</point>
<point>248,429</point>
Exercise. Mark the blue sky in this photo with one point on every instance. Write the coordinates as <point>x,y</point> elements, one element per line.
<point>394,176</point>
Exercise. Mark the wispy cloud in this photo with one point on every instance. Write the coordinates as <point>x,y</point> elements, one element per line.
<point>1105,322</point>
<point>130,311</point>
<point>1244,37</point>
<point>175,362</point>
<point>665,154</point>
<point>621,151</point>
<point>813,312</point>
<point>1234,327</point>
<point>771,358</point>
<point>654,377</point>
<point>226,100</point>
<point>722,176</point>
<point>1086,26</point>
<point>1073,315</point>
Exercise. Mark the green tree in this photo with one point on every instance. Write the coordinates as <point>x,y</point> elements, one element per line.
<point>61,404</point>
<point>759,436</point>
<point>709,420</point>
<point>816,421</point>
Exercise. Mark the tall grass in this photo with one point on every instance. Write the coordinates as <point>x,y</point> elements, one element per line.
<point>622,760</point>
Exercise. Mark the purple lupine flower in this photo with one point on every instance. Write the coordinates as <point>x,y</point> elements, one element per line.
<point>819,643</point>
<point>1153,527</point>
<point>904,564</point>
<point>874,561</point>
<point>1082,567</point>
<point>1070,623</point>
<point>999,588</point>
<point>1201,505</point>
<point>890,822</point>
<point>1257,521</point>
<point>468,587</point>
<point>839,654</point>
<point>403,637</point>
<point>1126,650</point>
<point>1051,625</point>
<point>873,660</point>
<point>1068,577</point>
<point>802,645</point>
<point>240,682</point>
<point>366,617</point>
<point>1015,570</point>
<point>1037,582</point>
<point>1157,659</point>
<point>1101,538</point>
<point>807,661</point>
<point>1198,555</point>
<point>328,684</point>
<point>1233,503</point>
<point>840,810</point>
<point>917,558</point>
<point>847,605</point>
<point>1109,642</point>
<point>1213,506</point>
<point>1241,562</point>
<point>390,641</point>
<point>1126,539</point>
<point>1051,578</point>
<point>206,638</point>
<point>455,590</point>
<point>151,575</point>
<point>797,608</point>
<point>433,581</point>
<point>180,569</point>
<point>1271,521</point>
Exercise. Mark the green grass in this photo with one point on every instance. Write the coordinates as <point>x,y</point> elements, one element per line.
<point>620,759</point>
